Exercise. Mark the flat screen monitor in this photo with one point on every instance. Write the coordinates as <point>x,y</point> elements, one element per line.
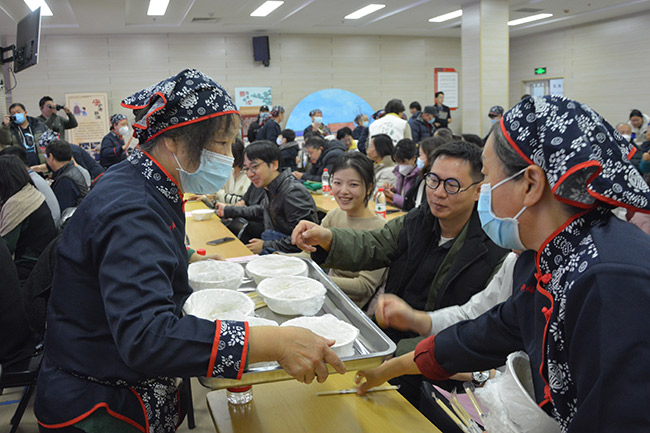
<point>27,41</point>
<point>261,48</point>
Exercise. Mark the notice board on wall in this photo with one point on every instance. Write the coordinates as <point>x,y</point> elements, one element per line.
<point>91,111</point>
<point>446,80</point>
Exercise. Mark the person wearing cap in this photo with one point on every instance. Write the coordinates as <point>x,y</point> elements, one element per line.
<point>52,120</point>
<point>271,128</point>
<point>113,147</point>
<point>116,339</point>
<point>422,124</point>
<point>317,126</point>
<point>496,113</point>
<point>554,170</point>
<point>262,115</point>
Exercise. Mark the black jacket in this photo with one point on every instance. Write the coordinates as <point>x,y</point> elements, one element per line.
<point>332,150</point>
<point>111,151</point>
<point>288,202</point>
<point>269,131</point>
<point>289,153</point>
<point>420,128</point>
<point>69,186</point>
<point>84,159</point>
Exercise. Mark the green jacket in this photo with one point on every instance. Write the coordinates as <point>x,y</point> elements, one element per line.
<point>402,243</point>
<point>10,135</point>
<point>59,124</point>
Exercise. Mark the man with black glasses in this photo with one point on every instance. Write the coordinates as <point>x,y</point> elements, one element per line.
<point>437,254</point>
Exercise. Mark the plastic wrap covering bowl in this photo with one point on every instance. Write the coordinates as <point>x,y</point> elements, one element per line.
<point>213,304</point>
<point>510,402</point>
<point>330,327</point>
<point>215,274</point>
<point>276,266</point>
<point>293,296</point>
<point>202,214</point>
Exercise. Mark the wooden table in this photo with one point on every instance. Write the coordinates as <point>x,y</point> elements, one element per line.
<point>287,407</point>
<point>327,203</point>
<point>200,232</point>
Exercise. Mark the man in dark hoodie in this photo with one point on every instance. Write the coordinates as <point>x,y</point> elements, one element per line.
<point>322,155</point>
<point>289,148</point>
<point>422,124</point>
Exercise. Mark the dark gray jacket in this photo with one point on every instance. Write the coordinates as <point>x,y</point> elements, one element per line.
<point>288,202</point>
<point>332,150</point>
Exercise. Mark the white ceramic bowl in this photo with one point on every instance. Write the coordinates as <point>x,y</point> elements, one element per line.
<point>215,274</point>
<point>275,265</point>
<point>202,214</point>
<point>292,295</point>
<point>330,327</point>
<point>213,304</point>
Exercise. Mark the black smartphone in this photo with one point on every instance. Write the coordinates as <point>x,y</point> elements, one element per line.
<point>393,210</point>
<point>208,203</point>
<point>221,240</point>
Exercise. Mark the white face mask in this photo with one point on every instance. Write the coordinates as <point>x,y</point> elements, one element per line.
<point>123,130</point>
<point>628,137</point>
<point>404,169</point>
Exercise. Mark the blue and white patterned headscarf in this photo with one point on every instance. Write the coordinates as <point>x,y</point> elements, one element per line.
<point>117,118</point>
<point>188,97</point>
<point>584,158</point>
<point>47,137</point>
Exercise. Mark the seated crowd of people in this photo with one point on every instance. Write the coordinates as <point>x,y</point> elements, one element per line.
<point>437,266</point>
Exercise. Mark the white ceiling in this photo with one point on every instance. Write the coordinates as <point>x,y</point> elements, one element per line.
<point>399,17</point>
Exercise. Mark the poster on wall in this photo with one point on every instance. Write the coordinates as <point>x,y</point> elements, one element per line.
<point>252,96</point>
<point>446,80</point>
<point>91,111</point>
<point>557,86</point>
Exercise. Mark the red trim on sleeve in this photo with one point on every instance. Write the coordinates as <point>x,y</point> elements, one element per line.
<point>426,361</point>
<point>215,348</point>
<point>632,152</point>
<point>244,353</point>
<point>90,412</point>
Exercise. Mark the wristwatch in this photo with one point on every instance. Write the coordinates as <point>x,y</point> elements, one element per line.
<point>480,377</point>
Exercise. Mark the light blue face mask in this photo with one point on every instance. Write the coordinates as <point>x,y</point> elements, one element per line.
<point>318,119</point>
<point>365,124</point>
<point>503,231</point>
<point>494,120</point>
<point>419,163</point>
<point>19,118</point>
<point>210,177</point>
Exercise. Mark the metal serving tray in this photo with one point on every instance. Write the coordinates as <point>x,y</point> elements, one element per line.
<point>370,347</point>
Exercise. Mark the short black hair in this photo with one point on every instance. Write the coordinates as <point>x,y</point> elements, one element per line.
<point>315,142</point>
<point>524,96</point>
<point>440,92</point>
<point>462,150</point>
<point>362,165</point>
<point>18,151</point>
<point>43,100</point>
<point>13,177</point>
<point>405,150</point>
<point>394,106</point>
<point>265,151</point>
<point>341,133</point>
<point>60,150</point>
<point>383,144</point>
<point>238,153</point>
<point>473,138</point>
<point>416,105</point>
<point>17,104</point>
<point>636,113</point>
<point>289,134</point>
<point>444,133</point>
<point>429,144</point>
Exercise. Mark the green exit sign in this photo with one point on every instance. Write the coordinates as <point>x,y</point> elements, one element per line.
<point>540,71</point>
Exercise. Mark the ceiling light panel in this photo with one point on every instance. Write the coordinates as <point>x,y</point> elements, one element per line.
<point>35,4</point>
<point>364,11</point>
<point>157,8</point>
<point>266,8</point>
<point>447,17</point>
<point>528,19</point>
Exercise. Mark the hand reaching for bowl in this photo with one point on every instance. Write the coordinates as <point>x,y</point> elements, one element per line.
<point>390,369</point>
<point>393,312</point>
<point>308,234</point>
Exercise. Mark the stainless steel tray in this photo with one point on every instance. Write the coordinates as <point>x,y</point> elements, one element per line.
<point>370,348</point>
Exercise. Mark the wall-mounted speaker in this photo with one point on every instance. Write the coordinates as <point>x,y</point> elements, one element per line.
<point>261,51</point>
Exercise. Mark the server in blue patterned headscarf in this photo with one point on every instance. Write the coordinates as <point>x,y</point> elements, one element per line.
<point>554,169</point>
<point>115,338</point>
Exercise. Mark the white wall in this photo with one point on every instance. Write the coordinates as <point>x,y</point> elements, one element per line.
<point>605,65</point>
<point>377,68</point>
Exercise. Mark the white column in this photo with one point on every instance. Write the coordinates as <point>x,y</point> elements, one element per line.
<point>485,62</point>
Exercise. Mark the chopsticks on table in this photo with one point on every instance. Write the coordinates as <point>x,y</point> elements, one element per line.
<point>354,390</point>
<point>259,302</point>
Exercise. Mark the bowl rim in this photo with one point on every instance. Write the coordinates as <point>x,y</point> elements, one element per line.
<point>270,257</point>
<point>337,344</point>
<point>267,281</point>
<point>249,302</point>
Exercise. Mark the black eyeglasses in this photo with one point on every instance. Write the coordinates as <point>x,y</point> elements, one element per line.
<point>451,185</point>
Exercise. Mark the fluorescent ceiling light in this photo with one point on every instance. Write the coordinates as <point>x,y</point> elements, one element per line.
<point>157,8</point>
<point>364,11</point>
<point>529,19</point>
<point>266,8</point>
<point>446,17</point>
<point>35,4</point>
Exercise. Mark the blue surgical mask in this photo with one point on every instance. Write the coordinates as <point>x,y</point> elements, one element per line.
<point>318,119</point>
<point>211,176</point>
<point>419,163</point>
<point>365,124</point>
<point>279,140</point>
<point>19,118</point>
<point>493,120</point>
<point>430,121</point>
<point>503,231</point>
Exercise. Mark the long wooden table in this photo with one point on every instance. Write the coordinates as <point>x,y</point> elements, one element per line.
<point>325,203</point>
<point>290,406</point>
<point>201,232</point>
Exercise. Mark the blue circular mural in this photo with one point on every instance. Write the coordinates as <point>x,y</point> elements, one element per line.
<point>337,105</point>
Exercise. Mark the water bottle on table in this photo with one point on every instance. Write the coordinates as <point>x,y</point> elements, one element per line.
<point>380,203</point>
<point>325,181</point>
